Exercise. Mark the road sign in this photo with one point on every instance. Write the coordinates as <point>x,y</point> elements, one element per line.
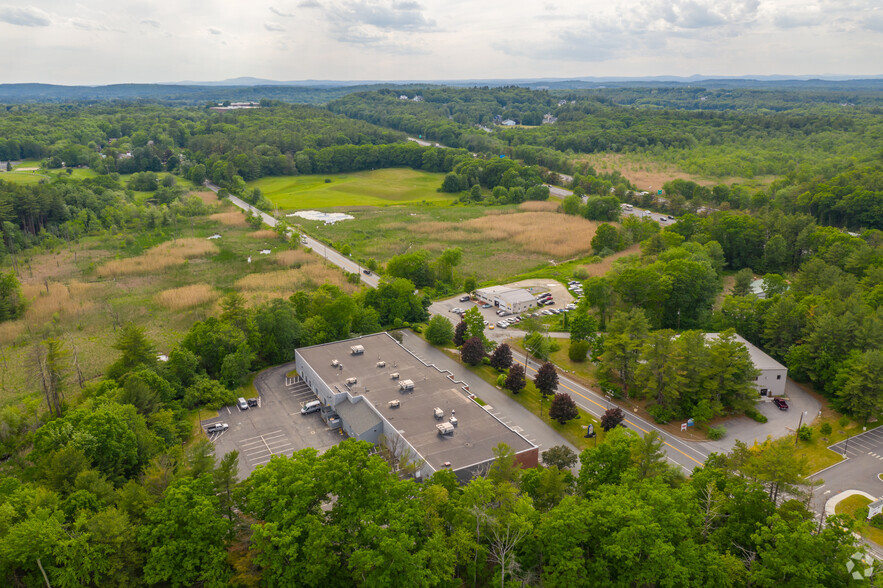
<point>683,426</point>
<point>659,192</point>
<point>690,422</point>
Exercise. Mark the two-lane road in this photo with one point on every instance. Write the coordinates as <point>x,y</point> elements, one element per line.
<point>328,253</point>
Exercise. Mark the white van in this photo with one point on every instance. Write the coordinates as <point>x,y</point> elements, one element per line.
<point>243,404</point>
<point>311,407</point>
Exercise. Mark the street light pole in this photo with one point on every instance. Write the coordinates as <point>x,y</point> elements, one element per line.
<point>846,447</point>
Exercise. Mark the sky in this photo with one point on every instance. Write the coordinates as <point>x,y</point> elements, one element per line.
<point>116,41</point>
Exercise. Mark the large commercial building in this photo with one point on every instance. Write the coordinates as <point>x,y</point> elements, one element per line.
<point>771,381</point>
<point>378,387</point>
<point>512,299</point>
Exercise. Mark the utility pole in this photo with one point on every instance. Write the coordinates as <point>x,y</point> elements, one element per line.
<point>797,434</point>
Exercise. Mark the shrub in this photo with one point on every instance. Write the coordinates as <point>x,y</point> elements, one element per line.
<point>843,421</point>
<point>578,351</point>
<point>826,430</point>
<point>501,379</point>
<point>660,414</point>
<point>716,433</point>
<point>877,521</point>
<point>804,433</point>
<point>861,514</point>
<point>755,414</point>
<point>439,331</point>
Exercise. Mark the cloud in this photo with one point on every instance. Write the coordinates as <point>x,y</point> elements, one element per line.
<point>309,4</point>
<point>404,16</point>
<point>214,31</point>
<point>150,22</point>
<point>87,25</point>
<point>24,17</point>
<point>278,12</point>
<point>274,27</point>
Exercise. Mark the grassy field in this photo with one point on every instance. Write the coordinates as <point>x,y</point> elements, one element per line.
<point>23,177</point>
<point>83,293</point>
<point>384,187</point>
<point>848,506</point>
<point>497,242</point>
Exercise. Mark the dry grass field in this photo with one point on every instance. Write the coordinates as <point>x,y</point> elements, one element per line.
<point>283,283</point>
<point>159,258</point>
<point>233,218</point>
<point>208,197</point>
<point>537,206</point>
<point>264,234</point>
<point>187,296</point>
<point>293,257</point>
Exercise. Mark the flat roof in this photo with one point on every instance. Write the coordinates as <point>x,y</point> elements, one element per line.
<point>759,358</point>
<point>477,432</point>
<point>507,293</point>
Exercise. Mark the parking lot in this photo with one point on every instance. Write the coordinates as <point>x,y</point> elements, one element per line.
<point>275,426</point>
<point>865,444</point>
<point>560,294</point>
<point>860,471</point>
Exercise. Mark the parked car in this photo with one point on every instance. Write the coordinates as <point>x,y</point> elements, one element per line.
<point>780,403</point>
<point>367,272</point>
<point>549,302</point>
<point>485,305</point>
<point>217,428</point>
<point>252,401</point>
<point>670,217</point>
<point>464,298</point>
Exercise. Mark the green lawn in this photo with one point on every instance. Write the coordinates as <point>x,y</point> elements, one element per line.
<point>383,187</point>
<point>22,177</point>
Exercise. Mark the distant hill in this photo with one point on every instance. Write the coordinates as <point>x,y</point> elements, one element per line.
<point>322,91</point>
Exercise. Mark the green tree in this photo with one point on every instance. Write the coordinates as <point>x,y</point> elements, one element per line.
<point>860,385</point>
<point>599,294</point>
<point>742,285</point>
<point>560,456</point>
<point>622,347</point>
<point>184,536</point>
<point>136,351</point>
<point>607,239</point>
<point>578,351</point>
<point>12,303</point>
<point>439,331</point>
<point>582,326</point>
<point>460,332</point>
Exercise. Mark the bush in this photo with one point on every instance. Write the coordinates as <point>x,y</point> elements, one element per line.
<point>580,273</point>
<point>826,430</point>
<point>716,433</point>
<point>578,351</point>
<point>877,521</point>
<point>804,433</point>
<point>501,379</point>
<point>861,514</point>
<point>755,415</point>
<point>843,421</point>
<point>660,414</point>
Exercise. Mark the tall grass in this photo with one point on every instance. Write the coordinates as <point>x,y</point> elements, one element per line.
<point>558,235</point>
<point>264,234</point>
<point>63,300</point>
<point>159,258</point>
<point>232,218</point>
<point>187,296</point>
<point>294,257</point>
<point>537,206</point>
<point>284,283</point>
<point>209,198</point>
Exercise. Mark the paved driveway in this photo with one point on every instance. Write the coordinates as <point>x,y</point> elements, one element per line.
<point>276,427</point>
<point>864,461</point>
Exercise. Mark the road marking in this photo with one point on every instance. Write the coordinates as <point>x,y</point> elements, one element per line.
<point>632,424</point>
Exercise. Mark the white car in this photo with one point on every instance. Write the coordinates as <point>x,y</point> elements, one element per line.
<point>217,428</point>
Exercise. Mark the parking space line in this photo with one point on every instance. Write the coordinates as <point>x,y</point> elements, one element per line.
<point>259,436</point>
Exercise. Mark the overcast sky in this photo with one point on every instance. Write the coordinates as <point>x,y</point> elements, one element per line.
<point>109,41</point>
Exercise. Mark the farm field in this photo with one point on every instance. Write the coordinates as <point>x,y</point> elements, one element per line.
<point>497,242</point>
<point>85,292</point>
<point>383,187</point>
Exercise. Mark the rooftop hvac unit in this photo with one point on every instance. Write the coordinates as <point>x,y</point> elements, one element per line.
<point>453,420</point>
<point>394,403</point>
<point>439,413</point>
<point>334,363</point>
<point>394,375</point>
<point>445,428</point>
<point>357,349</point>
<point>381,364</point>
<point>406,385</point>
<point>351,381</point>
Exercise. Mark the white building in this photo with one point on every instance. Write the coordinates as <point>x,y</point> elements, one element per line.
<point>514,300</point>
<point>771,381</point>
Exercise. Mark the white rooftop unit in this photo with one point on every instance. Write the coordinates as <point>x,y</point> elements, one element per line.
<point>351,381</point>
<point>394,375</point>
<point>334,363</point>
<point>357,349</point>
<point>406,385</point>
<point>381,364</point>
<point>439,413</point>
<point>445,428</point>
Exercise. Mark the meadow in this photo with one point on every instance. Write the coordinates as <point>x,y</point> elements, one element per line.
<point>497,242</point>
<point>163,282</point>
<point>383,187</point>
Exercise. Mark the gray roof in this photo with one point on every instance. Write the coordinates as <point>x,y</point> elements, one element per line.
<point>510,295</point>
<point>358,415</point>
<point>761,360</point>
<point>477,432</point>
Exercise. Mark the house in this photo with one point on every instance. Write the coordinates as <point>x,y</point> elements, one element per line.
<point>773,375</point>
<point>381,392</point>
<point>548,119</point>
<point>509,122</point>
<point>403,97</point>
<point>514,300</point>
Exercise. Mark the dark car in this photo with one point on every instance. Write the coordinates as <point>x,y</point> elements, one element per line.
<point>780,403</point>
<point>252,401</point>
<point>367,272</point>
<point>464,298</point>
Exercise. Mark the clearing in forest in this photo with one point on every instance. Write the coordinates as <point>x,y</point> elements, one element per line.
<point>382,187</point>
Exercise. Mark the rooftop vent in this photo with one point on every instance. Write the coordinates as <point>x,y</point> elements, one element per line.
<point>445,428</point>
<point>394,375</point>
<point>394,403</point>
<point>439,413</point>
<point>406,385</point>
<point>334,363</point>
<point>351,381</point>
<point>357,349</point>
<point>381,364</point>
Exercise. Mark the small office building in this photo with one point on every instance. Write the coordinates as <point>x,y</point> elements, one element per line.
<point>514,300</point>
<point>378,387</point>
<point>771,381</point>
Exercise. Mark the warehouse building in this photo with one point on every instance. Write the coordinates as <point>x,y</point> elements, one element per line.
<point>514,300</point>
<point>378,387</point>
<point>771,381</point>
